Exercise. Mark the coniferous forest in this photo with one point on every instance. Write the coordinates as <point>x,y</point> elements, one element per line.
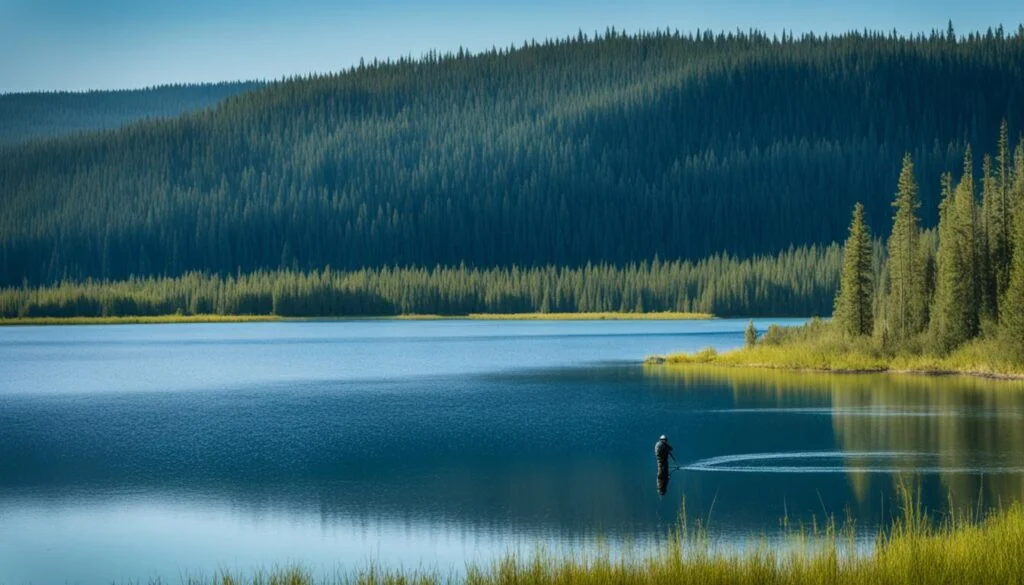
<point>936,297</point>
<point>42,115</point>
<point>797,282</point>
<point>601,150</point>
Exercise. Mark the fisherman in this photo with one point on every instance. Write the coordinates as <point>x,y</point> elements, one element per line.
<point>662,451</point>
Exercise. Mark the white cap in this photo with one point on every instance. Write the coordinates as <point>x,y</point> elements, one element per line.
<point>663,438</point>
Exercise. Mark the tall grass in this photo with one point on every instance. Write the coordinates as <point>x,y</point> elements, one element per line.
<point>917,549</point>
<point>820,346</point>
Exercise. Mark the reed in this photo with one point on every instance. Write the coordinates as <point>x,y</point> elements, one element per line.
<point>917,549</point>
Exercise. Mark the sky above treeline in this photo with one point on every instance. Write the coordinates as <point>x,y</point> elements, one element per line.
<point>113,44</point>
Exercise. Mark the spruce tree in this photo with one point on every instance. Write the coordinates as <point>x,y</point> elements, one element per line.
<point>906,308</point>
<point>988,242</point>
<point>1016,194</point>
<point>750,334</point>
<point>970,245</point>
<point>1012,317</point>
<point>954,311</point>
<point>853,312</point>
<point>1000,238</point>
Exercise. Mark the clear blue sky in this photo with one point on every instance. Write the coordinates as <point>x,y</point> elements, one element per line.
<point>103,44</point>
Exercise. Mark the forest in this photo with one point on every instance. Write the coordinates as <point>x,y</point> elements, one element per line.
<point>599,149</point>
<point>969,285</point>
<point>797,282</point>
<point>43,115</point>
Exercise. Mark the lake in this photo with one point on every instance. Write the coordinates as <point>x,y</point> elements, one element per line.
<point>134,452</point>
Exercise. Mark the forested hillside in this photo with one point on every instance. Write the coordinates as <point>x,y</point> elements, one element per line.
<point>580,150</point>
<point>28,116</point>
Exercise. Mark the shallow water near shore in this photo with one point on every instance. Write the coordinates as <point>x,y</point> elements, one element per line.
<point>131,452</point>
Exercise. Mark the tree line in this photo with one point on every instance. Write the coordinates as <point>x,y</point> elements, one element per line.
<point>605,148</point>
<point>797,282</point>
<point>55,114</point>
<point>935,294</point>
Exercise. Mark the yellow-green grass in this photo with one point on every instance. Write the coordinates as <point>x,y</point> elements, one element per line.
<point>818,347</point>
<point>177,318</point>
<point>914,552</point>
<point>606,316</point>
<point>125,320</point>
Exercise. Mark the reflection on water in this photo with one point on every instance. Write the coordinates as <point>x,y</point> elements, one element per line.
<point>967,432</point>
<point>130,452</point>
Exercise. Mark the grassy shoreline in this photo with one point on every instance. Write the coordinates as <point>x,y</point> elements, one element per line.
<point>166,319</point>
<point>916,550</point>
<point>137,320</point>
<point>606,316</point>
<point>816,347</point>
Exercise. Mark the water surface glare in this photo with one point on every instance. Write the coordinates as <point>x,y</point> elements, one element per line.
<point>130,452</point>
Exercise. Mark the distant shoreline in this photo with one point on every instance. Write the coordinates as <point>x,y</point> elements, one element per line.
<point>137,320</point>
<point>170,319</point>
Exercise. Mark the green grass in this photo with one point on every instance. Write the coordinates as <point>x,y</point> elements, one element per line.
<point>915,551</point>
<point>609,316</point>
<point>818,346</point>
<point>413,317</point>
<point>136,319</point>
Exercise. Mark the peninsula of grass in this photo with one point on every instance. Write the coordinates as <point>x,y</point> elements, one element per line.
<point>915,551</point>
<point>139,319</point>
<point>819,346</point>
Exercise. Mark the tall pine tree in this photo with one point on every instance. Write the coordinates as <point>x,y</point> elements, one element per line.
<point>988,242</point>
<point>853,302</point>
<point>906,309</point>
<point>1000,238</point>
<point>1012,316</point>
<point>954,314</point>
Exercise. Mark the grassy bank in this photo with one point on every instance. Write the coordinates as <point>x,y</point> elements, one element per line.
<point>914,552</point>
<point>818,346</point>
<point>606,316</point>
<point>256,318</point>
<point>154,319</point>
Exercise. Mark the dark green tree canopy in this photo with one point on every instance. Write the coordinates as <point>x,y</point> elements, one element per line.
<point>853,310</point>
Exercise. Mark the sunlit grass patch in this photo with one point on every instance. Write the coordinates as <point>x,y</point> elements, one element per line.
<point>609,316</point>
<point>819,346</point>
<point>917,550</point>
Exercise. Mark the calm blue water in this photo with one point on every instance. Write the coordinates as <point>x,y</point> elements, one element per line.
<point>133,452</point>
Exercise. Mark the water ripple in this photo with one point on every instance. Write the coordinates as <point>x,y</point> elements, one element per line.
<point>751,463</point>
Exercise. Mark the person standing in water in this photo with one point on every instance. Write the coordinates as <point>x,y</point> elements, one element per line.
<point>662,451</point>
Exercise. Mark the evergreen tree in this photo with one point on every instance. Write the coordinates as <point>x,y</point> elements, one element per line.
<point>1016,195</point>
<point>853,307</point>
<point>1012,318</point>
<point>750,334</point>
<point>1000,238</point>
<point>954,311</point>
<point>970,241</point>
<point>987,227</point>
<point>907,306</point>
